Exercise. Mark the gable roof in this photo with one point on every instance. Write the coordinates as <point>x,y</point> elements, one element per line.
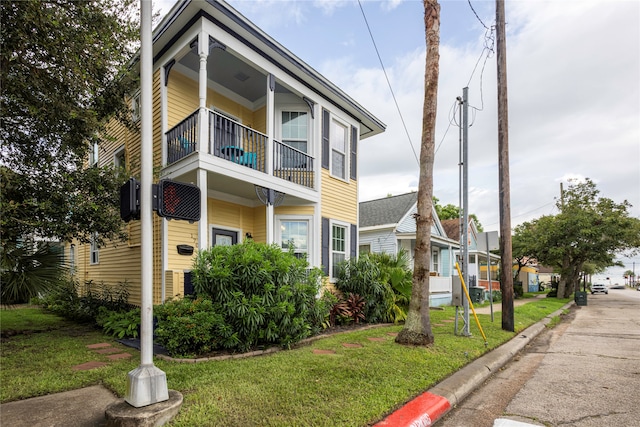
<point>389,210</point>
<point>451,228</point>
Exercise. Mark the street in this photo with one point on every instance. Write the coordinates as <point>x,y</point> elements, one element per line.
<point>584,372</point>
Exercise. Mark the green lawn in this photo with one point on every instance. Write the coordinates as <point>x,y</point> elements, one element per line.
<point>353,387</point>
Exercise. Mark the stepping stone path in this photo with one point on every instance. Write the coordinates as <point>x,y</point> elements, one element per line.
<point>101,348</point>
<point>354,345</point>
<point>318,351</point>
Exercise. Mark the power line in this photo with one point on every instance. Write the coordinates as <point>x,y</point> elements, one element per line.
<point>389,83</point>
<point>474,12</point>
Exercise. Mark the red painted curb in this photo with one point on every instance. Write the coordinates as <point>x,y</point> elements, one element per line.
<point>422,411</point>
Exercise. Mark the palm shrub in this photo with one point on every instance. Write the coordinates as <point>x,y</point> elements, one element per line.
<point>265,295</point>
<point>28,269</point>
<point>362,276</point>
<point>395,271</point>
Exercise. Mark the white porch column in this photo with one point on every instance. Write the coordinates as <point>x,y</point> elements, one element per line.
<point>203,51</point>
<point>270,224</point>
<point>270,128</point>
<point>203,224</point>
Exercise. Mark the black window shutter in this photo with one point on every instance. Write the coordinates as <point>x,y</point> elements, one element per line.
<point>325,245</point>
<point>354,152</point>
<point>354,240</point>
<point>325,138</point>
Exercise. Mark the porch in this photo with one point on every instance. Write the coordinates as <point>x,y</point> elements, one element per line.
<point>234,142</point>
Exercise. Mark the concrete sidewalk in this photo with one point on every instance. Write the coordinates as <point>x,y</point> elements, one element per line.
<point>84,407</point>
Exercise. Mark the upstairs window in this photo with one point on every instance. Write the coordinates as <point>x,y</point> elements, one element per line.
<point>339,142</point>
<point>93,155</point>
<point>135,107</point>
<point>119,160</point>
<point>94,250</point>
<point>295,129</point>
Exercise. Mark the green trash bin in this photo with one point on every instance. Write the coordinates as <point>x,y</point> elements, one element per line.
<point>477,294</point>
<point>580,298</point>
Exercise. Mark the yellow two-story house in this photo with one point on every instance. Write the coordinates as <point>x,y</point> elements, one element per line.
<point>272,145</point>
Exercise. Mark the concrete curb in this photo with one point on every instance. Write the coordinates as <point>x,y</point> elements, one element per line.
<point>429,407</point>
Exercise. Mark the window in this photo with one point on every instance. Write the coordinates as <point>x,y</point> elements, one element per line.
<point>223,237</point>
<point>93,155</point>
<point>339,143</point>
<point>94,250</point>
<point>338,247</point>
<point>72,258</point>
<point>119,158</point>
<point>364,249</point>
<point>294,133</point>
<point>435,261</point>
<point>135,107</point>
<point>294,129</point>
<point>295,232</point>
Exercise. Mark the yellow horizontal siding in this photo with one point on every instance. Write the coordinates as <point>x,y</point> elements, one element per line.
<point>294,210</point>
<point>339,199</point>
<point>183,99</point>
<point>181,233</point>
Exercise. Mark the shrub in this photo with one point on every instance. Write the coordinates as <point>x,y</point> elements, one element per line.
<point>67,301</point>
<point>119,324</point>
<point>518,290</point>
<point>362,277</point>
<point>395,271</point>
<point>191,327</point>
<point>266,296</point>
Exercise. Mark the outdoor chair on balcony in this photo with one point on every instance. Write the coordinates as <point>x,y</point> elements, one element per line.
<point>249,159</point>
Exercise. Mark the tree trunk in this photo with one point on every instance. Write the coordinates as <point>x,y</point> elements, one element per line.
<point>417,328</point>
<point>564,274</point>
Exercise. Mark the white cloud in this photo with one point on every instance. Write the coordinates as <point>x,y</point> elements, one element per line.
<point>574,110</point>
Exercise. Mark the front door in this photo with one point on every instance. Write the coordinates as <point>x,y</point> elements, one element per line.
<point>223,237</point>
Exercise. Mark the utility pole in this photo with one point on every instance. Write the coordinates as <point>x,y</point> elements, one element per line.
<point>464,238</point>
<point>506,259</point>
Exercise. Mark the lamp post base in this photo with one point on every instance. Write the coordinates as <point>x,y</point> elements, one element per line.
<point>146,385</point>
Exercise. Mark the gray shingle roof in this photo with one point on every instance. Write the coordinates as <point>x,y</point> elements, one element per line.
<point>389,210</point>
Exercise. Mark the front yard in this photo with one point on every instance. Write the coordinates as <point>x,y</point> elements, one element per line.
<point>348,379</point>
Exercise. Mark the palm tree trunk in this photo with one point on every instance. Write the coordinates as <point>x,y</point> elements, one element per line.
<point>417,328</point>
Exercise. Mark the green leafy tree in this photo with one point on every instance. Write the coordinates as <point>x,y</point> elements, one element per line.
<point>588,229</point>
<point>450,211</point>
<point>61,79</point>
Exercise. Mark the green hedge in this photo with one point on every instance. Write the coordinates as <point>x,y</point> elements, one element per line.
<point>263,295</point>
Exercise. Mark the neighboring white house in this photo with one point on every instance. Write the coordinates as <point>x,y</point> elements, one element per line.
<point>388,225</point>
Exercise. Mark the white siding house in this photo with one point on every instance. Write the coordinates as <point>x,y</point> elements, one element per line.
<point>388,225</point>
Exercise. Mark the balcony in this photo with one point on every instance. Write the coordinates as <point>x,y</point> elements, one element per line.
<point>242,145</point>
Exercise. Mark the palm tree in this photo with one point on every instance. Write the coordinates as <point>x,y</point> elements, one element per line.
<point>417,328</point>
<point>29,269</point>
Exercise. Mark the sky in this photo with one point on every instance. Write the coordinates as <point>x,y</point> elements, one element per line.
<point>573,83</point>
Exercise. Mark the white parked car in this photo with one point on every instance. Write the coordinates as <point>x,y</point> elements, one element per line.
<point>599,287</point>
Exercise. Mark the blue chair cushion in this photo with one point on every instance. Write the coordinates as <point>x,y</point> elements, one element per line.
<point>249,159</point>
